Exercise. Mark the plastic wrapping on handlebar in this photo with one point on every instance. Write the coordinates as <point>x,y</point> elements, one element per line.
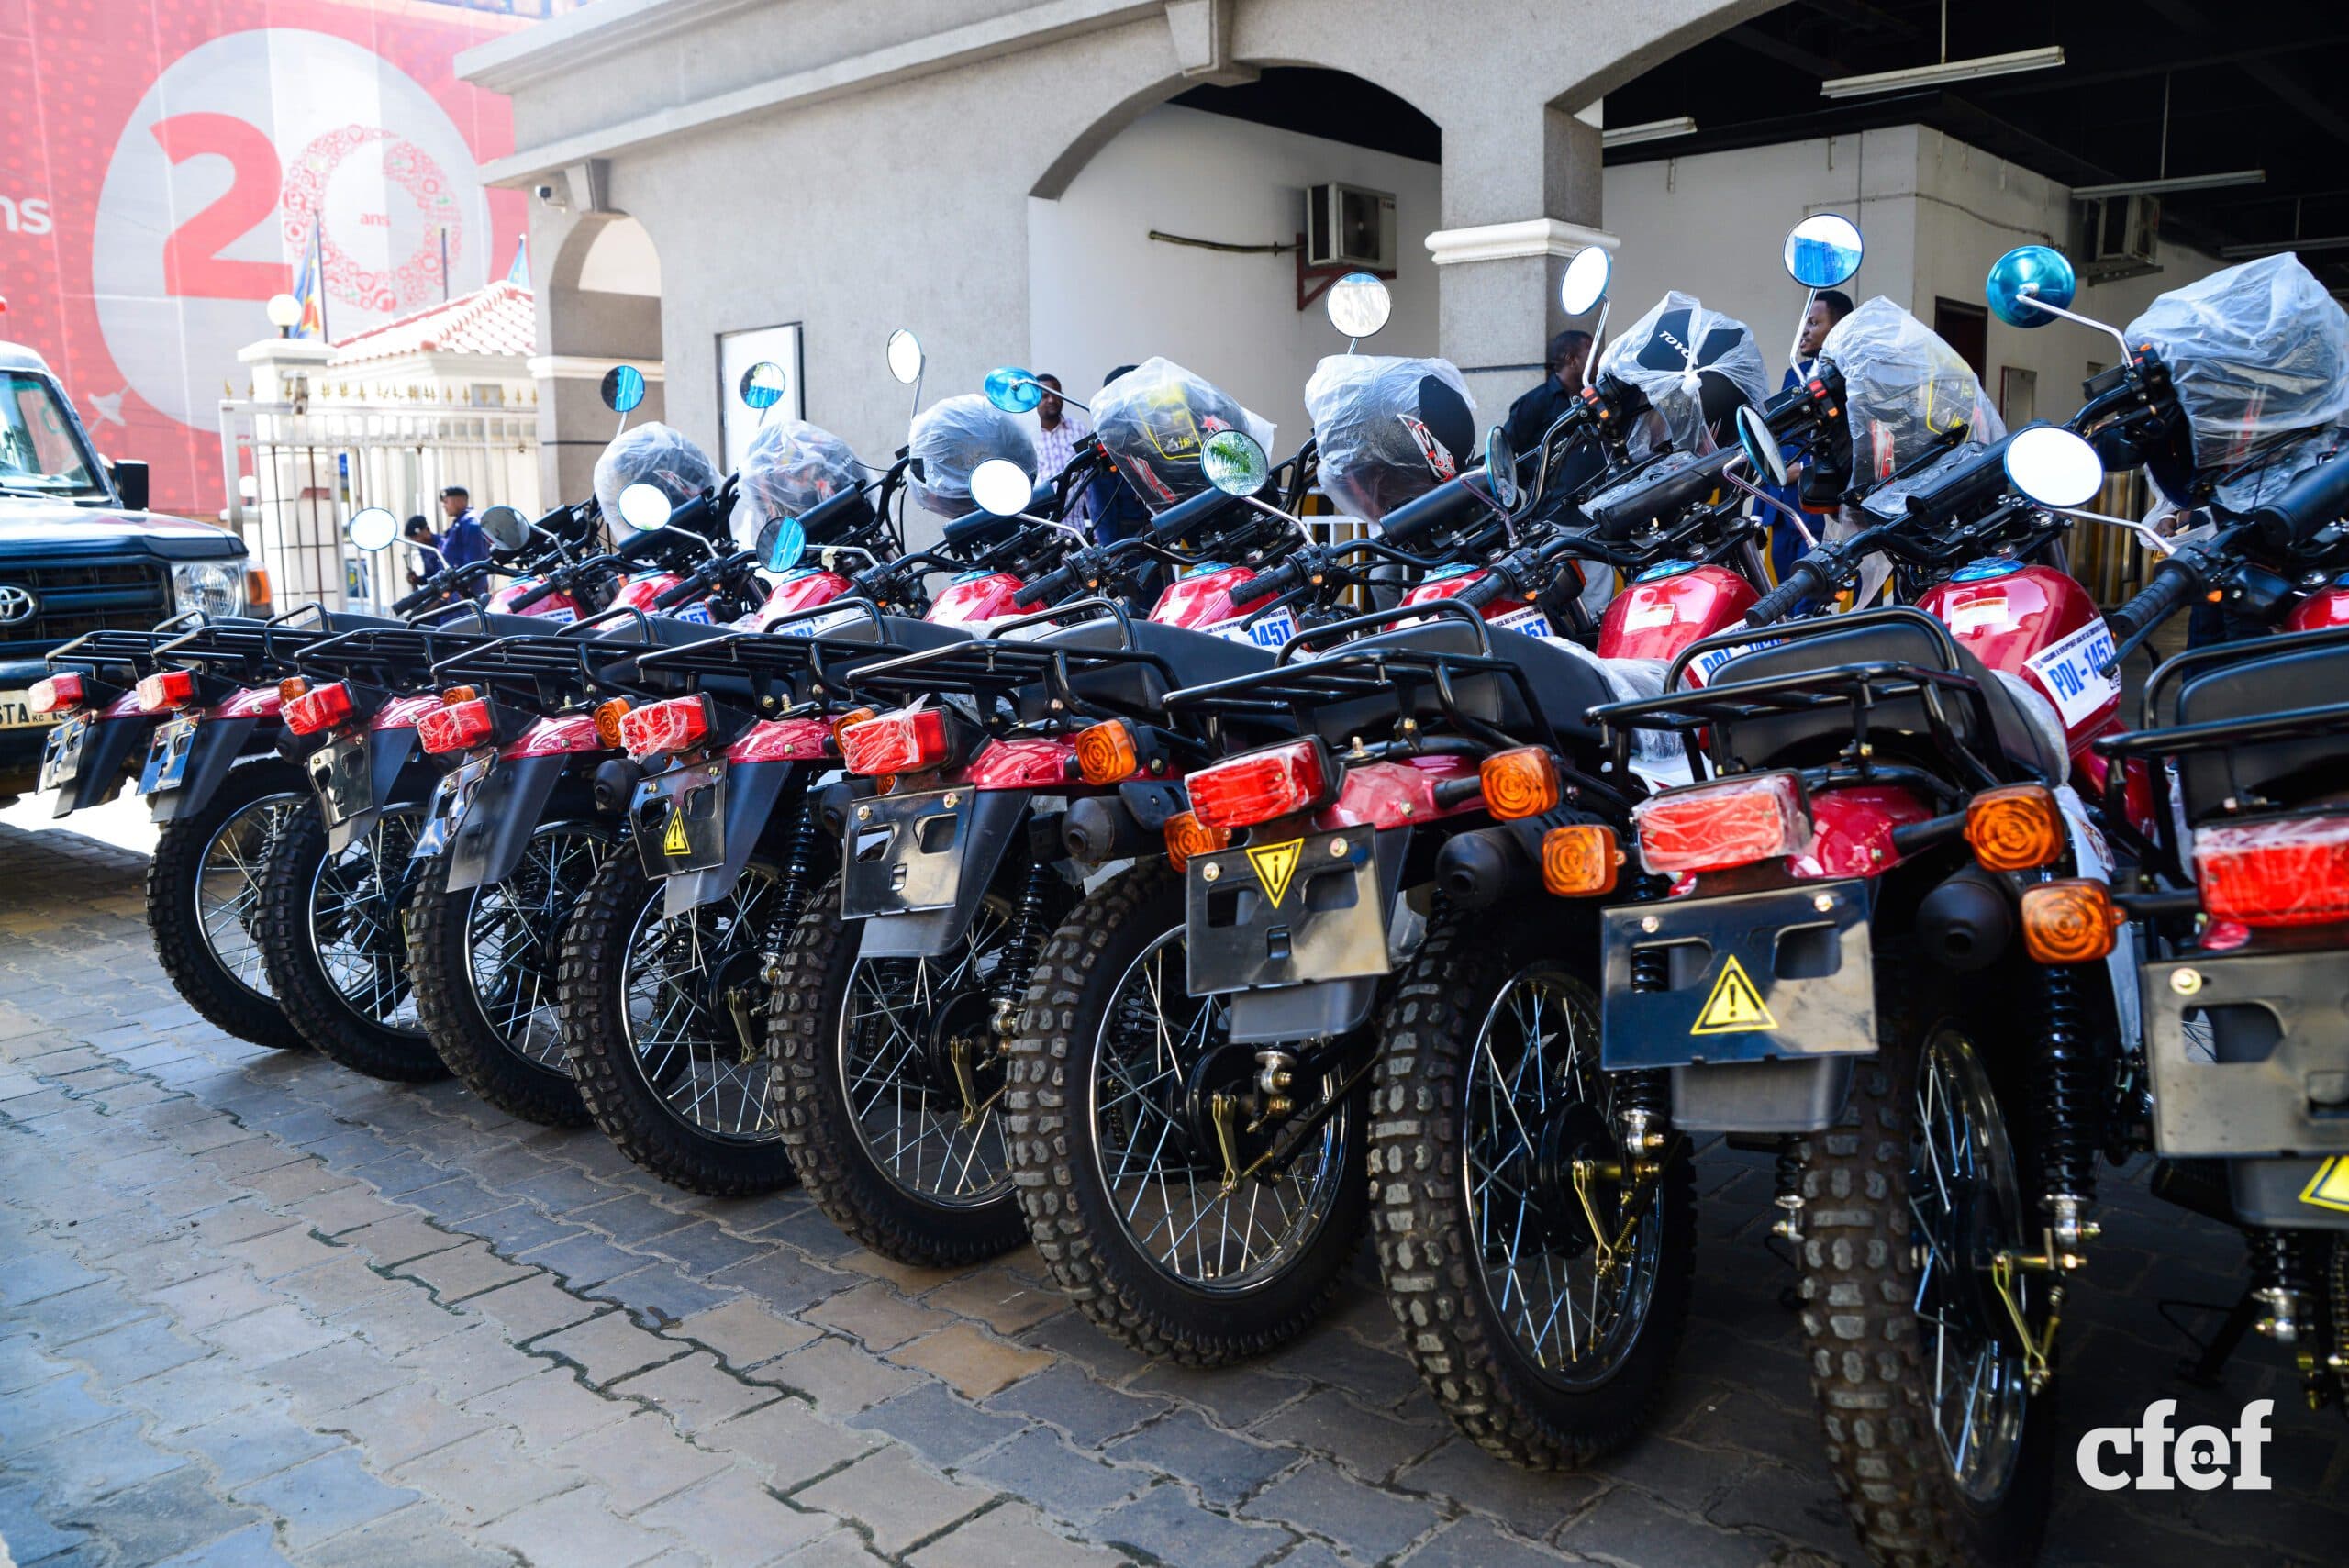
<point>973,526</point>
<point>1804,582</point>
<point>2172,587</point>
<point>2317,497</point>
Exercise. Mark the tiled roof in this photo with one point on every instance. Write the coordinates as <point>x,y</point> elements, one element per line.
<point>499,319</point>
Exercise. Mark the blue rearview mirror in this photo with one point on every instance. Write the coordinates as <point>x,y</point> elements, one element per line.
<point>2025,273</point>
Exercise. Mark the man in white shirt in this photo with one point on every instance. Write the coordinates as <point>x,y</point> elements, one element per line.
<point>1060,435</point>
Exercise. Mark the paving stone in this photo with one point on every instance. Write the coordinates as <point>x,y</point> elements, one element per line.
<point>735,1520</point>
<point>74,1315</point>
<point>26,1524</point>
<point>191,1394</point>
<point>609,1347</point>
<point>1224,1469</point>
<point>255,1546</point>
<point>637,1462</point>
<point>897,1498</point>
<point>397,1240</point>
<point>334,1375</point>
<point>134,1350</point>
<point>940,1426</point>
<point>839,1378</point>
<point>517,1228</point>
<point>790,1442</point>
<point>584,1259</point>
<point>338,1211</point>
<point>276,1253</point>
<point>1478,1543</point>
<point>533,1307</point>
<point>1013,1536</point>
<point>549,1410</point>
<point>1321,1499</point>
<point>704,1248</point>
<point>323,1496</point>
<point>400,1321</point>
<point>629,1219</point>
<point>998,1298</point>
<point>93,1461</point>
<point>472,1360</point>
<point>53,1409</point>
<point>661,1294</point>
<point>1531,1502</point>
<point>463,1271</point>
<point>272,1334</point>
<point>842,1549</point>
<point>1237,1397</point>
<point>877,1316</point>
<point>1063,1395</point>
<point>417,1536</point>
<point>252,1445</point>
<point>1372,1446</point>
<point>1170,1527</point>
<point>479,1478</point>
<point>695,1391</point>
<point>743,1333</point>
<point>241,1220</point>
<point>1631,1527</point>
<point>1041,1467</point>
<point>173,1513</point>
<point>974,1362</point>
<point>576,1529</point>
<point>404,1423</point>
<point>214,1299</point>
<point>783,1280</point>
<point>344,1281</point>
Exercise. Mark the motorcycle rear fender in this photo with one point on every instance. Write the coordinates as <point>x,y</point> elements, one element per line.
<point>390,753</point>
<point>507,809</point>
<point>107,747</point>
<point>1313,1010</point>
<point>2277,1025</point>
<point>2294,1194</point>
<point>996,818</point>
<point>753,790</point>
<point>219,743</point>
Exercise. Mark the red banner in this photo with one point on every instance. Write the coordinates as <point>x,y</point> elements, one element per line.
<point>164,162</point>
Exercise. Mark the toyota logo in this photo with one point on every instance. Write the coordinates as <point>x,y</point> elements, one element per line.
<point>17,604</point>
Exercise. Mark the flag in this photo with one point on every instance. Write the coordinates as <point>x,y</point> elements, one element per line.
<point>519,273</point>
<point>309,291</point>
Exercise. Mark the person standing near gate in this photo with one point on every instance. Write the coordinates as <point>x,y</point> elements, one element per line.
<point>461,542</point>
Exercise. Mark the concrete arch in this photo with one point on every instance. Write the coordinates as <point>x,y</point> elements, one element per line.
<point>585,326</point>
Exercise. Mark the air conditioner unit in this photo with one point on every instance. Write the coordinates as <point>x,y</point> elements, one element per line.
<point>2113,238</point>
<point>1346,225</point>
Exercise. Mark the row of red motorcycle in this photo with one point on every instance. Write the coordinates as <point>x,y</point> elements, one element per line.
<point>1190,902</point>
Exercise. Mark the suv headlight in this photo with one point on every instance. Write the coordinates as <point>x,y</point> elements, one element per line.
<point>215,587</point>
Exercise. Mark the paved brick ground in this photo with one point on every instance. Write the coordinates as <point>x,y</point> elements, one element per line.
<point>254,1309</point>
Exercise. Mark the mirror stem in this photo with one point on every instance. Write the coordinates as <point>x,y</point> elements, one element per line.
<point>1810,541</point>
<point>2030,297</point>
<point>1794,350</point>
<point>2152,541</point>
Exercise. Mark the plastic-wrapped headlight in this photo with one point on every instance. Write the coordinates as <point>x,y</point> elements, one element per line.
<point>215,587</point>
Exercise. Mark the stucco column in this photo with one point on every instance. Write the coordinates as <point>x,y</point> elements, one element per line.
<point>1521,197</point>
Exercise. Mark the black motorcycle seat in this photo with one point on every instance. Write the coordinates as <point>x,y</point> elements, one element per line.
<point>1811,734</point>
<point>1564,686</point>
<point>1193,658</point>
<point>2290,771</point>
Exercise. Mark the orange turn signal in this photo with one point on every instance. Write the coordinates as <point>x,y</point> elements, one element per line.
<point>1187,836</point>
<point>2015,828</point>
<point>1106,754</point>
<point>1580,861</point>
<point>452,696</point>
<point>291,687</point>
<point>608,714</point>
<point>854,716</point>
<point>2069,921</point>
<point>1522,782</point>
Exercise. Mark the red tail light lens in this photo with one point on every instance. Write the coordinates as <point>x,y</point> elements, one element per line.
<point>166,688</point>
<point>320,707</point>
<point>658,729</point>
<point>1260,785</point>
<point>894,743</point>
<point>2292,872</point>
<point>56,695</point>
<point>457,726</point>
<point>1711,827</point>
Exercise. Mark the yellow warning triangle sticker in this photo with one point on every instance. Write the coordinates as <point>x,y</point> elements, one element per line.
<point>1735,1007</point>
<point>1276,863</point>
<point>672,841</point>
<point>2329,1189</point>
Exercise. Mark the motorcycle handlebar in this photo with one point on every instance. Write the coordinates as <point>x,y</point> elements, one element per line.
<point>2316,499</point>
<point>1807,580</point>
<point>530,596</point>
<point>2173,584</point>
<point>1495,583</point>
<point>677,592</point>
<point>1444,504</point>
<point>1030,595</point>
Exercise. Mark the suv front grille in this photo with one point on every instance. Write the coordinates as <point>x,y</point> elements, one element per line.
<point>74,598</point>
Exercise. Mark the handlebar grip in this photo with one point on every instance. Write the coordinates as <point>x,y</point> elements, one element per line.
<point>2172,586</point>
<point>1275,580</point>
<point>678,593</point>
<point>531,596</point>
<point>1483,590</point>
<point>1032,594</point>
<point>1444,504</point>
<point>416,599</point>
<point>2309,503</point>
<point>1804,582</point>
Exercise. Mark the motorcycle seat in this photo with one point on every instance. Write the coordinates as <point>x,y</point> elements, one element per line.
<point>1564,686</point>
<point>2292,770</point>
<point>1813,734</point>
<point>1195,658</point>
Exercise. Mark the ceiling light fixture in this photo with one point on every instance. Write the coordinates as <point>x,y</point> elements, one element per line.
<point>1650,130</point>
<point>1947,71</point>
<point>2175,183</point>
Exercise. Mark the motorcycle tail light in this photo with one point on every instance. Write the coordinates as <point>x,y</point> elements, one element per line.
<point>166,688</point>
<point>2293,872</point>
<point>1187,835</point>
<point>1276,781</point>
<point>1521,782</point>
<point>661,727</point>
<point>904,742</point>
<point>321,708</point>
<point>56,693</point>
<point>1580,861</point>
<point>1711,827</point>
<point>2016,828</point>
<point>852,717</point>
<point>608,714</point>
<point>2071,920</point>
<point>451,695</point>
<point>1106,754</point>
<point>457,726</point>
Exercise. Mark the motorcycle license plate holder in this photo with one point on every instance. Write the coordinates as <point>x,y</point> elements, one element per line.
<point>2284,1019</point>
<point>1784,975</point>
<point>678,819</point>
<point>1292,912</point>
<point>921,853</point>
<point>168,753</point>
<point>61,753</point>
<point>452,799</point>
<point>342,772</point>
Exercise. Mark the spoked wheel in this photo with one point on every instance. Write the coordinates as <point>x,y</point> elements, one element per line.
<point>1938,1442</point>
<point>485,962</point>
<point>204,891</point>
<point>893,1076</point>
<point>331,938</point>
<point>663,1022</point>
<point>1542,1283</point>
<point>1147,1160</point>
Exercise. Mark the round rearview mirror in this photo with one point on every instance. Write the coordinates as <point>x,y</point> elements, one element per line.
<point>905,356</point>
<point>2053,467</point>
<point>2025,273</point>
<point>1501,467</point>
<point>1359,305</point>
<point>763,384</point>
<point>1234,463</point>
<point>1013,390</point>
<point>1823,250</point>
<point>507,528</point>
<point>644,507</point>
<point>623,388</point>
<point>781,544</point>
<point>372,529</point>
<point>1760,448</point>
<point>1001,487</point>
<point>1584,282</point>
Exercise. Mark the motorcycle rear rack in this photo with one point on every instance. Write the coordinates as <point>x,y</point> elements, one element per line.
<point>253,651</point>
<point>2198,661</point>
<point>1290,690</point>
<point>778,665</point>
<point>554,669</point>
<point>999,666</point>
<point>130,651</point>
<point>396,656</point>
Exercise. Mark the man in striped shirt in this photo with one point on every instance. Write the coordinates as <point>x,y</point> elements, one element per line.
<point>1060,435</point>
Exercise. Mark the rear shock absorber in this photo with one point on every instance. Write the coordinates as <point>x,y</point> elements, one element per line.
<point>1023,947</point>
<point>1644,1099</point>
<point>2063,1110</point>
<point>2281,1281</point>
<point>799,871</point>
